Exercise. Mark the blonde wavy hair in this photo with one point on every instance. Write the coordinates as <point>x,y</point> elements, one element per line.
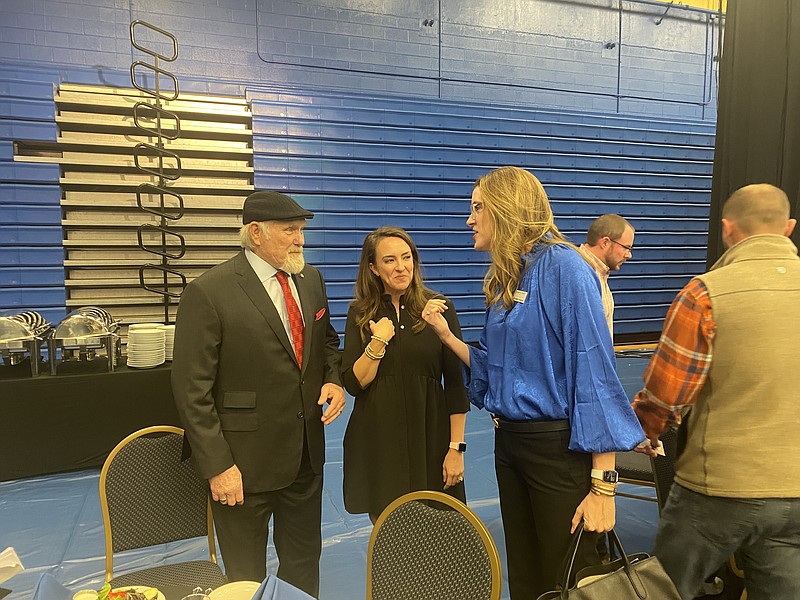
<point>517,205</point>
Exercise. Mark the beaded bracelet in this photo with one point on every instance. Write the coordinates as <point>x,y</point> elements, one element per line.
<point>381,340</point>
<point>372,355</point>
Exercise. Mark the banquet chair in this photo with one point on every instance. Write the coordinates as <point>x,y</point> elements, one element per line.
<point>639,469</point>
<point>635,468</point>
<point>430,546</point>
<point>150,496</point>
<point>663,467</point>
<point>733,563</point>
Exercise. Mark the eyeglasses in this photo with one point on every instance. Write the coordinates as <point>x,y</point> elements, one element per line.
<point>475,208</point>
<point>628,248</point>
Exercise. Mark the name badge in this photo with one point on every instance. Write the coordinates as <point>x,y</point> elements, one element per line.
<point>520,296</point>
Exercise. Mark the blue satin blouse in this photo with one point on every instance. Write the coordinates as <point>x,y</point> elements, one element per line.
<point>551,356</point>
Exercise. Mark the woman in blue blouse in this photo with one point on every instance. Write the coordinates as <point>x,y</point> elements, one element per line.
<point>545,370</point>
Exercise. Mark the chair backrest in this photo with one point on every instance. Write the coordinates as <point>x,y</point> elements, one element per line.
<point>664,466</point>
<point>150,496</point>
<point>634,467</point>
<point>420,551</point>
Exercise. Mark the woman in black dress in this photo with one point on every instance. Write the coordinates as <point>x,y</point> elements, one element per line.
<point>406,432</point>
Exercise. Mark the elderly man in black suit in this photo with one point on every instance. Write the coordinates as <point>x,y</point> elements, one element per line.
<point>255,361</point>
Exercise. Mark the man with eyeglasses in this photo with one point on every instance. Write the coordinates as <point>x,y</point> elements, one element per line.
<point>609,243</point>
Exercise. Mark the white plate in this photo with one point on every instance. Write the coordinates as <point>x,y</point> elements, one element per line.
<point>236,590</point>
<point>137,588</point>
<point>145,365</point>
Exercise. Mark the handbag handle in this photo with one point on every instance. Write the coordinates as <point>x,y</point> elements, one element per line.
<point>572,552</point>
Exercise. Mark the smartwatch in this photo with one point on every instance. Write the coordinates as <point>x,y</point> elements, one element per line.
<point>460,446</point>
<point>605,476</point>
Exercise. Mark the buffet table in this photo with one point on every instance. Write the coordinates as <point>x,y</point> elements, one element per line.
<point>72,420</point>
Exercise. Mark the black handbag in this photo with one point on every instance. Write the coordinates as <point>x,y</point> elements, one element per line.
<point>631,577</point>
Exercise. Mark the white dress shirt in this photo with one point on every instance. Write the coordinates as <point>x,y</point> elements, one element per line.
<point>603,272</point>
<point>266,274</point>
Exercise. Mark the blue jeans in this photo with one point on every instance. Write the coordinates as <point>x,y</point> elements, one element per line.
<point>697,533</point>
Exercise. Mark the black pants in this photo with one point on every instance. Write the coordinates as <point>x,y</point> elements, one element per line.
<point>243,531</point>
<point>541,483</point>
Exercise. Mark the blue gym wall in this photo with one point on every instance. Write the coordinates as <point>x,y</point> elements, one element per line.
<point>376,112</point>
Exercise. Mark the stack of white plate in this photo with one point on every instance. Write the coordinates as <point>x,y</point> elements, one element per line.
<point>135,326</point>
<point>169,340</point>
<point>146,347</point>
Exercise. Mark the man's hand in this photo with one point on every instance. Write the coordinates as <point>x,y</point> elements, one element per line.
<point>227,487</point>
<point>650,447</point>
<point>334,395</point>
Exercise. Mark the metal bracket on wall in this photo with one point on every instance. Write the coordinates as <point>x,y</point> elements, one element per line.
<point>162,164</point>
<point>661,18</point>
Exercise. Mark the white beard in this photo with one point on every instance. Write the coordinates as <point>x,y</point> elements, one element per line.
<point>294,263</point>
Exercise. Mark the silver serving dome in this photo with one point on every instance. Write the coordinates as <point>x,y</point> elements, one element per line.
<point>85,323</point>
<point>81,334</point>
<point>22,336</point>
<point>23,326</point>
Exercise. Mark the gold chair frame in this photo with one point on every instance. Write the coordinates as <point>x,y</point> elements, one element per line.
<point>212,547</point>
<point>455,504</point>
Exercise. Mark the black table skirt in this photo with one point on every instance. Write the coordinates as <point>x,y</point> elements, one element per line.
<point>50,424</point>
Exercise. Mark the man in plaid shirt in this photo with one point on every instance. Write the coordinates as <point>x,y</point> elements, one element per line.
<point>729,351</point>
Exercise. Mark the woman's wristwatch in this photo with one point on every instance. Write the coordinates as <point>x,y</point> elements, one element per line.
<point>460,446</point>
<point>605,476</point>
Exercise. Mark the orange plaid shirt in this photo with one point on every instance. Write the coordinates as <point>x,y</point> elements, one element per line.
<point>679,367</point>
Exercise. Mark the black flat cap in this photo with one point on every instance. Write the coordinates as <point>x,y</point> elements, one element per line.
<point>272,206</point>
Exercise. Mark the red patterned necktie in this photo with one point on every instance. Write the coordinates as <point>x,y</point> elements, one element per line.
<point>295,317</point>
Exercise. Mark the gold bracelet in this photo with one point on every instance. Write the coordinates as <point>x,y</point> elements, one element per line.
<point>381,340</point>
<point>604,490</point>
<point>603,484</point>
<point>600,492</point>
<point>372,355</point>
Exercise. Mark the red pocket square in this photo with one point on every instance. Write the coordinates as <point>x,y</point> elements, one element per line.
<point>320,314</point>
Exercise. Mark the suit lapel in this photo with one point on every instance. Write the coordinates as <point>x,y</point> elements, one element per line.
<point>254,289</point>
<point>307,304</point>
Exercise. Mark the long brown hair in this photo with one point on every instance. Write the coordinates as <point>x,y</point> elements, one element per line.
<point>369,287</point>
<point>520,211</point>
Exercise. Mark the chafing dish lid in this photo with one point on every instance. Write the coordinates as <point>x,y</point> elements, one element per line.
<point>22,326</point>
<point>87,321</point>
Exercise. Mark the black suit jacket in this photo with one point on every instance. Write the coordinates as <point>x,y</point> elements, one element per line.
<point>240,394</point>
